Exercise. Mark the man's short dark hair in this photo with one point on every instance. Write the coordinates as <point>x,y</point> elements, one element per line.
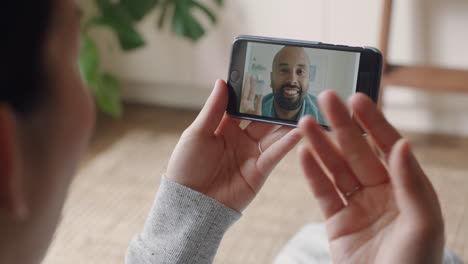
<point>24,26</point>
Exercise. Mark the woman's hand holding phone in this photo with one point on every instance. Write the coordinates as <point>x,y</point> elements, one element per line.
<point>216,157</point>
<point>376,211</point>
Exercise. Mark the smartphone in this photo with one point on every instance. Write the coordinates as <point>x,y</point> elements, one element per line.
<point>277,80</point>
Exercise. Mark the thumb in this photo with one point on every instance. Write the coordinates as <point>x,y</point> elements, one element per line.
<point>212,113</point>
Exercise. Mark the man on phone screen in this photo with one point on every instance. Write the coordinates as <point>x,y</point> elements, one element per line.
<point>290,98</point>
<point>290,77</point>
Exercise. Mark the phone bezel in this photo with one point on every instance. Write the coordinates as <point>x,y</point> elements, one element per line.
<point>370,66</point>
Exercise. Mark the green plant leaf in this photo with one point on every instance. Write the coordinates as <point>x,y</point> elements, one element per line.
<point>138,8</point>
<point>120,21</point>
<point>178,23</point>
<point>121,16</point>
<point>163,14</point>
<point>105,87</point>
<point>88,61</point>
<point>194,29</point>
<point>107,95</point>
<point>183,23</point>
<point>206,10</point>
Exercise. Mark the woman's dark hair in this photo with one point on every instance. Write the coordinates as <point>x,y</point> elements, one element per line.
<point>24,26</point>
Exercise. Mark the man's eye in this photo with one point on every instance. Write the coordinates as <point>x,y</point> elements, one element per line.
<point>300,72</point>
<point>284,70</point>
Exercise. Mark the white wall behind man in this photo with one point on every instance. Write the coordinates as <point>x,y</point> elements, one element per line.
<point>176,72</point>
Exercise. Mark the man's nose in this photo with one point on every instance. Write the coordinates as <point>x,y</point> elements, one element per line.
<point>293,78</point>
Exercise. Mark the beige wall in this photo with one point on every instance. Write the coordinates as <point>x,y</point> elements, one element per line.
<point>174,71</point>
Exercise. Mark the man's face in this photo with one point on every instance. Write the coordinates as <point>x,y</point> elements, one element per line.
<point>290,77</point>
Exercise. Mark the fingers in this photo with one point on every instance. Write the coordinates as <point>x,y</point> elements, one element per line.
<point>414,193</point>
<point>275,152</point>
<point>319,143</point>
<point>257,130</point>
<point>212,113</point>
<point>322,187</point>
<point>248,91</point>
<point>253,85</point>
<point>270,139</point>
<point>246,88</point>
<point>359,155</point>
<point>247,103</point>
<point>258,105</point>
<point>373,121</point>
<point>226,122</point>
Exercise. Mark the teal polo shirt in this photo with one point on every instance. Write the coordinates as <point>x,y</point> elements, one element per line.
<point>310,107</point>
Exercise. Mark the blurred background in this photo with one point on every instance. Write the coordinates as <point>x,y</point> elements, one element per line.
<point>178,72</point>
<point>164,83</point>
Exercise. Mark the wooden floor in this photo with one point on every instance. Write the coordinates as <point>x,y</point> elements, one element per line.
<point>110,198</point>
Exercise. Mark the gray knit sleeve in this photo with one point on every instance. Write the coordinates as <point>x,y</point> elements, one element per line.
<point>184,226</point>
<point>450,257</point>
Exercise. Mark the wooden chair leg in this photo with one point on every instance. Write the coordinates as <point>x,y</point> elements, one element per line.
<point>385,29</point>
<point>384,41</point>
<point>429,78</point>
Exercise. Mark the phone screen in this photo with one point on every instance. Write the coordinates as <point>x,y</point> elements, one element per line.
<point>283,82</point>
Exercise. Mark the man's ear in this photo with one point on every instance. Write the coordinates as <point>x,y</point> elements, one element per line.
<point>12,199</point>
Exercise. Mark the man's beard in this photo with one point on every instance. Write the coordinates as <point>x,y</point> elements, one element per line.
<point>289,103</point>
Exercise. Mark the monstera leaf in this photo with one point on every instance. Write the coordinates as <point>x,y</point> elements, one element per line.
<point>138,8</point>
<point>121,21</point>
<point>183,22</point>
<point>104,86</point>
<point>122,17</point>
